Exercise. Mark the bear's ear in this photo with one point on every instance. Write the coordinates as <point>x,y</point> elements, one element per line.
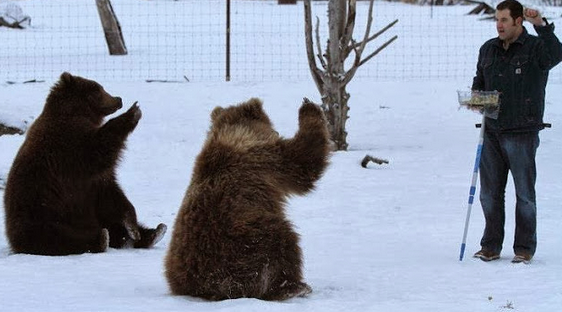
<point>66,78</point>
<point>216,112</point>
<point>253,108</point>
<point>255,103</point>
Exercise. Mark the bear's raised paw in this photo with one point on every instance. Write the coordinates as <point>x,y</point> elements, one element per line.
<point>310,110</point>
<point>135,111</point>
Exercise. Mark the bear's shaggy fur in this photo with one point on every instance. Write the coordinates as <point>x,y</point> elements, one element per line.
<point>62,196</point>
<point>231,237</point>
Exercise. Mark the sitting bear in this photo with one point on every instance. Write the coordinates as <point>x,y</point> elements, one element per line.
<point>62,195</point>
<point>231,237</point>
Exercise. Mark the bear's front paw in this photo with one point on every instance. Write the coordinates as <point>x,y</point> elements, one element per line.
<point>310,110</point>
<point>133,114</point>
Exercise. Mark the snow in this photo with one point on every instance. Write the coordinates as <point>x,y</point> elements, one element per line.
<point>8,119</point>
<point>384,238</point>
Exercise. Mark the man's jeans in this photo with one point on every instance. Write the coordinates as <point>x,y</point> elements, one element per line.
<point>501,153</point>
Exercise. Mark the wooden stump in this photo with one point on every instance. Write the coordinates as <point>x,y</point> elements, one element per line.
<point>111,28</point>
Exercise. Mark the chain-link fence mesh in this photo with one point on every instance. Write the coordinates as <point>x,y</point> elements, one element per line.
<point>186,40</point>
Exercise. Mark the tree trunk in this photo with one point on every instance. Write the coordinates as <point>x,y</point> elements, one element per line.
<point>335,97</point>
<point>111,28</point>
<point>337,16</point>
<point>335,108</point>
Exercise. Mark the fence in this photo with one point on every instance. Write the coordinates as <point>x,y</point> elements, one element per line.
<point>186,40</point>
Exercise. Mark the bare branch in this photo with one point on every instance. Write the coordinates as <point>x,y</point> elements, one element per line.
<point>316,73</point>
<point>367,32</point>
<point>328,57</point>
<point>318,45</point>
<point>358,51</point>
<point>380,32</point>
<point>378,50</point>
<point>350,25</point>
<point>351,72</point>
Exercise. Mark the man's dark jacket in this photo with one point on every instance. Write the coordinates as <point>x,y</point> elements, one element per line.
<point>520,74</point>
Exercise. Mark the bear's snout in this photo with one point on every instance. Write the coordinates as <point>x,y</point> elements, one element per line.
<point>110,105</point>
<point>118,101</point>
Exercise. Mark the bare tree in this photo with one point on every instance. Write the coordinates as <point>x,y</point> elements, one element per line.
<point>332,79</point>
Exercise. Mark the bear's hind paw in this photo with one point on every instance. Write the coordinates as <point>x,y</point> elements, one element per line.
<point>289,290</point>
<point>159,233</point>
<point>151,237</point>
<point>302,290</point>
<point>103,242</point>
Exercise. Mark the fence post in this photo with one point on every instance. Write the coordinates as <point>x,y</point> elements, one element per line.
<point>227,40</point>
<point>111,28</point>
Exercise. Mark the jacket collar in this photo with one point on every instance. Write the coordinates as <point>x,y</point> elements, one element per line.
<point>520,40</point>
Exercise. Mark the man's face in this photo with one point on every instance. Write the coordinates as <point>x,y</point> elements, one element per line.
<point>507,27</point>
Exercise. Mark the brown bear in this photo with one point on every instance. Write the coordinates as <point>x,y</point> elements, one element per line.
<point>62,195</point>
<point>231,237</point>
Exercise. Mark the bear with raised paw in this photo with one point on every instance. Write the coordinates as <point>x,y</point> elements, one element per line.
<point>62,196</point>
<point>231,237</point>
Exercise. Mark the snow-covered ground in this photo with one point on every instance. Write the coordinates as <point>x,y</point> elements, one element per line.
<point>385,238</point>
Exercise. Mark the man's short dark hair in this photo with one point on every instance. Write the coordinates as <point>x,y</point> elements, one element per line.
<point>515,8</point>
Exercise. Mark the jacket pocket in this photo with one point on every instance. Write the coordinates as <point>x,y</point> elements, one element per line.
<point>520,65</point>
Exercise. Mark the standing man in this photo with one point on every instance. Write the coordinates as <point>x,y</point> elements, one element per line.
<point>516,64</point>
